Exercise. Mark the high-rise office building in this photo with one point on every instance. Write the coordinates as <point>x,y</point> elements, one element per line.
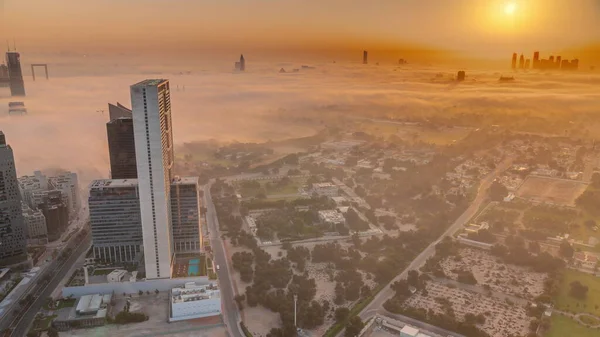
<point>121,148</point>
<point>536,60</point>
<point>115,220</point>
<point>522,62</point>
<point>527,63</point>
<point>35,221</point>
<point>151,107</point>
<point>53,205</point>
<point>365,57</point>
<point>15,74</point>
<point>514,61</point>
<point>242,63</point>
<point>558,62</point>
<point>13,233</point>
<point>4,78</point>
<point>185,215</point>
<point>68,184</point>
<point>118,111</point>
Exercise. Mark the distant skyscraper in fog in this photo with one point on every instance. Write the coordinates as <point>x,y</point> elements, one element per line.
<point>365,57</point>
<point>527,63</point>
<point>242,63</point>
<point>536,60</point>
<point>461,76</point>
<point>15,74</point>
<point>522,62</point>
<point>514,61</point>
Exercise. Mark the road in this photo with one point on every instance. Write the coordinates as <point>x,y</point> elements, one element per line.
<point>42,292</point>
<point>386,293</point>
<point>46,267</point>
<point>231,314</point>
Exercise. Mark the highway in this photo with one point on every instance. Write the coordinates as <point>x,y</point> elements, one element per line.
<point>386,293</point>
<point>231,314</point>
<point>42,291</point>
<point>46,268</point>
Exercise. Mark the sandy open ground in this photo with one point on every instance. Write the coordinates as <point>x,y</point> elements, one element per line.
<point>551,190</point>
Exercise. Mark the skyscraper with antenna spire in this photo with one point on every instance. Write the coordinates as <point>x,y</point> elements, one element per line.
<point>242,63</point>
<point>15,73</point>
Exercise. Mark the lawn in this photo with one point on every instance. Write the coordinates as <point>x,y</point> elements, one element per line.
<point>590,304</point>
<point>271,187</point>
<point>43,323</point>
<point>562,326</point>
<point>103,271</point>
<point>63,304</point>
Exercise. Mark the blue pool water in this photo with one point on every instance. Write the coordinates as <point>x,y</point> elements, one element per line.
<point>194,261</point>
<point>192,269</point>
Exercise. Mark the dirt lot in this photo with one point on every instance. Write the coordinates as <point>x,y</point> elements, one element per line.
<point>551,190</point>
<point>156,307</point>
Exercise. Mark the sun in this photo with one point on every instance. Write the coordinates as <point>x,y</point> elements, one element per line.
<point>510,8</point>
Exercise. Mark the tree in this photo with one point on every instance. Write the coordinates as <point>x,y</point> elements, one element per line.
<point>413,278</point>
<point>52,332</point>
<point>354,326</point>
<point>578,290</point>
<point>239,299</point>
<point>566,250</point>
<point>498,191</point>
<point>140,293</point>
<point>341,314</point>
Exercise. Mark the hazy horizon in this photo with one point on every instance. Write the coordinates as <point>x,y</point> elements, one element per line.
<point>461,28</point>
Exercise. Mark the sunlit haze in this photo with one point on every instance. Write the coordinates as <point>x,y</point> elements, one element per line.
<point>300,168</point>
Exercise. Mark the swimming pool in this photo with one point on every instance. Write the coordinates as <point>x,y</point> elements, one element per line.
<point>192,269</point>
<point>194,261</point>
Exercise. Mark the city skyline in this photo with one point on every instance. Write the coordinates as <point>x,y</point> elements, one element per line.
<point>526,23</point>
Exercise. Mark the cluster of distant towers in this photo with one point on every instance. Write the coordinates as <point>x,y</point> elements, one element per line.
<point>543,64</point>
<point>11,73</point>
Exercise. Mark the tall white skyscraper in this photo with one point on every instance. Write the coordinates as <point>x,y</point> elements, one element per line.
<point>151,105</point>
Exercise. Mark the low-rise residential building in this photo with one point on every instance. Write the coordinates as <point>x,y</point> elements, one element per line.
<point>90,311</point>
<point>116,275</point>
<point>325,189</point>
<point>332,217</point>
<point>585,259</point>
<point>194,301</point>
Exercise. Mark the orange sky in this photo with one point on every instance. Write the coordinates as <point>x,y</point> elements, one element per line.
<point>478,27</point>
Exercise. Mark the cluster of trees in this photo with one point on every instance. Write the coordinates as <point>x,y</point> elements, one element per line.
<point>242,262</point>
<point>354,222</point>
<point>288,223</point>
<point>589,201</point>
<point>125,317</point>
<point>274,286</point>
<point>497,191</point>
<point>578,290</point>
<point>549,219</point>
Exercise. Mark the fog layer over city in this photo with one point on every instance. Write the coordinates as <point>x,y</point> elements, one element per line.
<point>65,126</point>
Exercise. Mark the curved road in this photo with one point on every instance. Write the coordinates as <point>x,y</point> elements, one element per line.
<point>372,308</point>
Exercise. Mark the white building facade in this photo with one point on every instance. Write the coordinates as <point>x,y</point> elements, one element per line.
<point>151,105</point>
<point>195,301</point>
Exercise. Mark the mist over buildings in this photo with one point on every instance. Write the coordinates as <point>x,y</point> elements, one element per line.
<point>65,127</point>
